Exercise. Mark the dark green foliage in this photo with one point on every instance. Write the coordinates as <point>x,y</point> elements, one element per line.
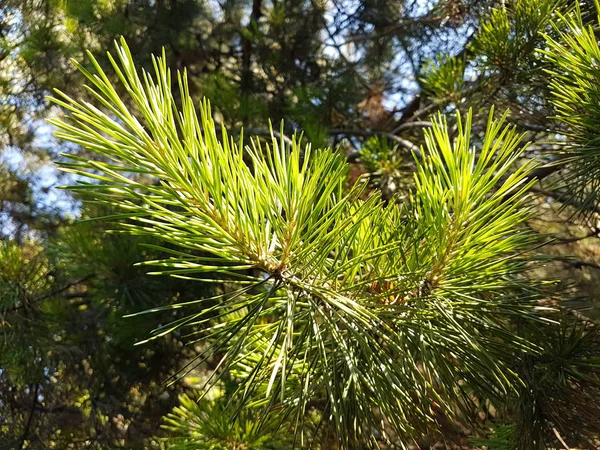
<point>561,385</point>
<point>64,337</point>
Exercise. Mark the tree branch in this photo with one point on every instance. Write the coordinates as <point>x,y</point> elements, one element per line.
<point>367,133</point>
<point>407,125</point>
<point>578,263</point>
<point>29,421</point>
<point>562,197</point>
<point>246,76</point>
<point>46,295</point>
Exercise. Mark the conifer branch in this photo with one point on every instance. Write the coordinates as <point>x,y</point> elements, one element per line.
<point>400,308</point>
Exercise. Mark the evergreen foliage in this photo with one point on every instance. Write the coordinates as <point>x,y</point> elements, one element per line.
<point>408,308</point>
<point>371,273</point>
<point>574,54</point>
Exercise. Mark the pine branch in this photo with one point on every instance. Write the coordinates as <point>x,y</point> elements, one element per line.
<point>365,304</point>
<point>573,52</point>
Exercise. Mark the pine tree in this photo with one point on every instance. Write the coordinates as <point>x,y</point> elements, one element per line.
<point>449,262</point>
<point>386,318</point>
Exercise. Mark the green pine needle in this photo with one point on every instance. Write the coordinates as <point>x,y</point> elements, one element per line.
<point>386,315</point>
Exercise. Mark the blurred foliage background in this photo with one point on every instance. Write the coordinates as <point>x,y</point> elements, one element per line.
<point>361,75</point>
